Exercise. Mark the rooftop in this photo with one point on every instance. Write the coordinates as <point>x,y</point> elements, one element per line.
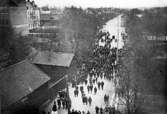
<point>53,58</point>
<point>19,80</point>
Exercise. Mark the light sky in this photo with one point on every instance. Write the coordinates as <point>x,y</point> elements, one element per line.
<point>103,3</point>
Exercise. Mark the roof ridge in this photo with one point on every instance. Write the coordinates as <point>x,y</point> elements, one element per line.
<point>58,52</point>
<point>13,65</point>
<point>27,61</point>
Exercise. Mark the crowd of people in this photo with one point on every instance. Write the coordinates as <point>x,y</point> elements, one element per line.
<point>92,84</point>
<point>103,66</point>
<point>109,110</point>
<point>78,112</point>
<point>61,102</point>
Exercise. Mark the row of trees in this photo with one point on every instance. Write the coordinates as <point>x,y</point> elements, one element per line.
<point>138,72</point>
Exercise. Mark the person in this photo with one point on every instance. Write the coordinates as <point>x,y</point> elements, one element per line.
<point>73,85</point>
<point>76,87</point>
<point>68,104</point>
<point>91,74</point>
<point>105,98</point>
<point>101,76</point>
<point>64,104</point>
<point>101,110</point>
<point>76,93</point>
<point>94,81</point>
<point>90,81</point>
<point>112,110</point>
<point>91,88</point>
<point>113,37</point>
<point>59,103</point>
<point>82,92</point>
<point>88,88</point>
<point>97,109</point>
<point>73,111</point>
<point>102,85</point>
<point>88,112</point>
<point>54,108</point>
<point>95,90</point>
<point>86,82</point>
<point>69,112</point>
<point>81,88</point>
<point>86,100</point>
<point>98,85</point>
<point>90,100</point>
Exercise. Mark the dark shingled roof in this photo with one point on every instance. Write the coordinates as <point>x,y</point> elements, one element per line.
<point>19,80</point>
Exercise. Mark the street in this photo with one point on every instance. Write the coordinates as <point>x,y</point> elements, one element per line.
<point>97,98</point>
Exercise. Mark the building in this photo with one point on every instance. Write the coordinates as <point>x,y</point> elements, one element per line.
<point>18,17</point>
<point>17,83</point>
<point>54,58</point>
<point>33,15</point>
<point>56,65</point>
<point>51,17</point>
<point>13,14</point>
<point>4,17</point>
<point>12,18</point>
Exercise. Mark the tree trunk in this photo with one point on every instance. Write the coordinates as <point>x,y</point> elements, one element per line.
<point>128,110</point>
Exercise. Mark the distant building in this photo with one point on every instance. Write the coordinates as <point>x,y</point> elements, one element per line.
<point>155,37</point>
<point>159,41</point>
<point>13,13</point>
<point>18,17</point>
<point>33,15</point>
<point>4,17</point>
<point>50,17</point>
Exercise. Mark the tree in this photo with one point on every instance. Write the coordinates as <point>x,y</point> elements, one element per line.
<point>128,88</point>
<point>138,72</point>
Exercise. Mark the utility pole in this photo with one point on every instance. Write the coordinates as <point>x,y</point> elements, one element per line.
<point>117,39</point>
<point>117,102</point>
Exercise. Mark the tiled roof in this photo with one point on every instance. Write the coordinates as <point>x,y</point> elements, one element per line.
<point>19,80</point>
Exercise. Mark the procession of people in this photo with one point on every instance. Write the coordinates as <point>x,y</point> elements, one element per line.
<point>95,94</point>
<point>101,73</point>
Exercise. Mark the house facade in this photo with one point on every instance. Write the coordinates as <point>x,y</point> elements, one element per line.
<point>13,14</point>
<point>33,15</point>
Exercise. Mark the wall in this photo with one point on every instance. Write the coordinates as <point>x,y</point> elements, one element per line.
<point>19,20</point>
<point>33,16</point>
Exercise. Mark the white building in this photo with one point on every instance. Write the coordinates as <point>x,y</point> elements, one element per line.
<point>33,15</point>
